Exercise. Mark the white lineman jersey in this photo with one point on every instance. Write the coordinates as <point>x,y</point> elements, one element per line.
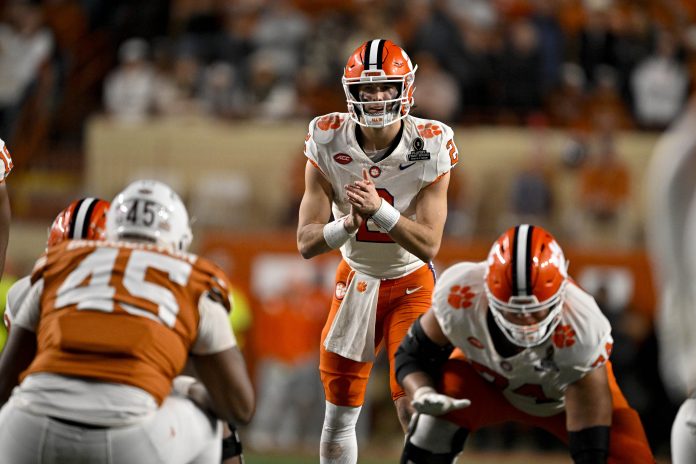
<point>535,379</point>
<point>425,152</point>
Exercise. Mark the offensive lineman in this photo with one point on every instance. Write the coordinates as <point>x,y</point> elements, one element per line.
<point>531,347</point>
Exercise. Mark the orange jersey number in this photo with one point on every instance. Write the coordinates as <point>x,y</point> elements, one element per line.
<point>99,294</point>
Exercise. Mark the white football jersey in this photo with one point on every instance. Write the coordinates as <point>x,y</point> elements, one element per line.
<point>535,379</point>
<point>425,153</point>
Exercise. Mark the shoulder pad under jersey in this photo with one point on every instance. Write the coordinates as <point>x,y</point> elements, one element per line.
<point>323,128</point>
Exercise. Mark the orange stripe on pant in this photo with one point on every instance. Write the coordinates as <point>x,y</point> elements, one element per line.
<point>628,443</point>
<point>345,380</point>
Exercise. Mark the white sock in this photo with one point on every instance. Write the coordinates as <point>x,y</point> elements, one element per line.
<point>339,444</point>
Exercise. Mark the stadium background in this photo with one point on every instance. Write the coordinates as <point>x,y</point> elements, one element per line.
<point>556,107</point>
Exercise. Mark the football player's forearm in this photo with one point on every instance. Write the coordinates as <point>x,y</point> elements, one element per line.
<point>419,239</point>
<point>310,240</point>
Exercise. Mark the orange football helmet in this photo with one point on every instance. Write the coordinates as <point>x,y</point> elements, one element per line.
<point>82,219</point>
<point>379,61</point>
<point>526,274</point>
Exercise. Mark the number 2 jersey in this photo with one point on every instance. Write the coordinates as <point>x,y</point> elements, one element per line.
<point>535,379</point>
<point>425,153</point>
<point>124,313</point>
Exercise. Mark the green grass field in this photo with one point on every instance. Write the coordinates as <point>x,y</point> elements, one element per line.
<point>376,458</point>
<point>467,458</point>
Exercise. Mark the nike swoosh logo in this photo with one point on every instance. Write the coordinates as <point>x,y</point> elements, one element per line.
<point>406,166</point>
<point>413,290</point>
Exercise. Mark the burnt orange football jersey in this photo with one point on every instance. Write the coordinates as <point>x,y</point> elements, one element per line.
<point>121,312</point>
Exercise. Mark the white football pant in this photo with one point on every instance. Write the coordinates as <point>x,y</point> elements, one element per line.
<point>178,433</point>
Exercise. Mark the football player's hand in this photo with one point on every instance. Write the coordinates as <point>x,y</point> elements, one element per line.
<point>428,401</point>
<point>362,194</point>
<point>353,221</point>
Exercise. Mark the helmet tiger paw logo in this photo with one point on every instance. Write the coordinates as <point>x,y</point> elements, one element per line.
<point>563,336</point>
<point>362,286</point>
<point>429,130</point>
<point>460,297</point>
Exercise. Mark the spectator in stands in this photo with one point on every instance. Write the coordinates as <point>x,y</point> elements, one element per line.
<point>438,92</point>
<point>25,45</point>
<point>567,105</point>
<point>221,92</point>
<point>129,89</point>
<point>604,104</point>
<point>531,195</point>
<point>595,42</point>
<point>604,192</point>
<point>660,84</point>
<point>521,57</point>
<point>271,96</point>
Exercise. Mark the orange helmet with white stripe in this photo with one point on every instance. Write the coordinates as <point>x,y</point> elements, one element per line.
<point>525,284</point>
<point>82,219</point>
<point>379,61</point>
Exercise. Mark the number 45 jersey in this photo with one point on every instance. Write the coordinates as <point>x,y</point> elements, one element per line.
<point>535,379</point>
<point>424,153</point>
<point>123,312</point>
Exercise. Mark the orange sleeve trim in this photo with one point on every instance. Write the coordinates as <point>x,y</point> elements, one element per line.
<point>318,168</point>
<point>437,179</point>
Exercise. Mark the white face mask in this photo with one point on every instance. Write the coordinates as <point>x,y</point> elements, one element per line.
<point>379,113</point>
<point>527,335</point>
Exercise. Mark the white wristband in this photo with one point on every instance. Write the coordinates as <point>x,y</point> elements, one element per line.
<point>386,216</point>
<point>335,233</point>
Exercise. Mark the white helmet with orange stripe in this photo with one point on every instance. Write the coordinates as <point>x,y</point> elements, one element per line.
<point>149,210</point>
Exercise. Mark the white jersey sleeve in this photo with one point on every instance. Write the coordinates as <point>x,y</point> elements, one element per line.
<point>214,331</point>
<point>15,297</point>
<point>583,337</point>
<point>29,313</point>
<point>456,301</point>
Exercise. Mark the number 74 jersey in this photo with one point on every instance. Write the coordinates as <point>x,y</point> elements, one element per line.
<point>535,379</point>
<point>123,312</point>
<point>424,153</point>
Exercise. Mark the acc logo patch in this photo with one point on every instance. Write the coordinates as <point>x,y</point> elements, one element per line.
<point>375,171</point>
<point>342,158</point>
<point>340,291</point>
<point>475,342</point>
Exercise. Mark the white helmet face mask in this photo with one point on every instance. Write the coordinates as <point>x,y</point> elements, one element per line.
<point>527,335</point>
<point>152,211</point>
<point>393,110</point>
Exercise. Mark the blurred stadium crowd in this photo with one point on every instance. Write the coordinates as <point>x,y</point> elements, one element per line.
<point>589,68</point>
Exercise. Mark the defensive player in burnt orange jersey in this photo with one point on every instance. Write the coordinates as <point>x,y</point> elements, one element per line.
<point>5,215</point>
<point>532,347</point>
<point>82,219</point>
<point>104,330</point>
<point>384,175</point>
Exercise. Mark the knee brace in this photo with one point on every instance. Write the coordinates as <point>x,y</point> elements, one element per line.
<point>432,441</point>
